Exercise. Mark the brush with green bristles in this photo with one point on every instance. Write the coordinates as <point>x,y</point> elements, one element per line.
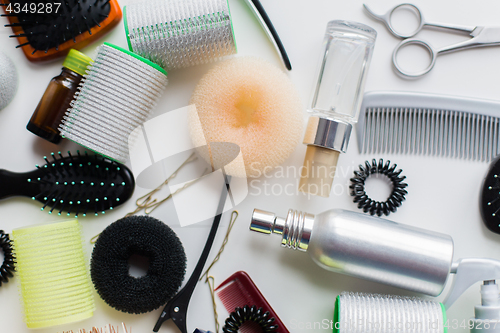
<point>78,184</point>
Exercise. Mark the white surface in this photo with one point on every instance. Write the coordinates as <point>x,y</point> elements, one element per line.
<point>443,193</point>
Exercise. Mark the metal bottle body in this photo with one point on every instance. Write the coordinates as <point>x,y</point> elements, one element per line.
<point>380,250</point>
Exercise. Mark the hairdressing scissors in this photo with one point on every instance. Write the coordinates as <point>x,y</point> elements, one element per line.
<point>481,36</point>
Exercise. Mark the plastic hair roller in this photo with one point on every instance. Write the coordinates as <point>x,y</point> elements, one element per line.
<point>177,33</point>
<point>365,246</point>
<point>54,280</point>
<point>355,313</point>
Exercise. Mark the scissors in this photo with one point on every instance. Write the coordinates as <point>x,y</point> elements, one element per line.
<point>481,36</point>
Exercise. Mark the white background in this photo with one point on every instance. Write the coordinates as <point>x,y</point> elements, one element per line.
<point>443,193</point>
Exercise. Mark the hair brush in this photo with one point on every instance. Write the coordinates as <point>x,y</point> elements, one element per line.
<point>490,197</point>
<point>74,184</point>
<point>48,30</point>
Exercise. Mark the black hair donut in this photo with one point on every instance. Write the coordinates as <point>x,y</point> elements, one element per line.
<point>9,261</point>
<point>242,315</point>
<point>369,205</point>
<point>109,267</point>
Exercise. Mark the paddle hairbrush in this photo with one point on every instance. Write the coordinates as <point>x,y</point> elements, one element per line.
<point>74,184</point>
<point>47,30</point>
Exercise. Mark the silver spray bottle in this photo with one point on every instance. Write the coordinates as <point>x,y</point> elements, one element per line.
<point>366,247</point>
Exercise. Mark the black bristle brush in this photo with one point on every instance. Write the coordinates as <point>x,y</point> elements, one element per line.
<point>47,30</point>
<point>79,184</point>
<point>490,197</point>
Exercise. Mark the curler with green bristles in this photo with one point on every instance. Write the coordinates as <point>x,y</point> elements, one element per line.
<point>179,33</point>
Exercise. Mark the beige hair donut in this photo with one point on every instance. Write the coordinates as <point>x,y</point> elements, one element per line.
<point>248,102</point>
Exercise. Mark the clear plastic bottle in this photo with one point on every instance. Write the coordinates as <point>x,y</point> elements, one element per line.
<point>336,101</point>
<point>59,93</point>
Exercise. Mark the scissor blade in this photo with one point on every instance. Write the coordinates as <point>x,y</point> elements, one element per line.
<point>477,30</point>
<point>489,35</point>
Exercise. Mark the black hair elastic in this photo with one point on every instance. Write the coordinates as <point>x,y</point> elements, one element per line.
<point>369,205</point>
<point>242,315</point>
<point>8,265</point>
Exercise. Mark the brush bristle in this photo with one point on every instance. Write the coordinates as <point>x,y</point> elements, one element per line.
<point>180,33</point>
<point>115,98</point>
<point>371,313</point>
<point>490,197</point>
<point>46,29</point>
<point>81,184</point>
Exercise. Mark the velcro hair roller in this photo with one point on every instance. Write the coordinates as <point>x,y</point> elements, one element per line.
<point>117,95</point>
<point>180,33</point>
<point>54,277</point>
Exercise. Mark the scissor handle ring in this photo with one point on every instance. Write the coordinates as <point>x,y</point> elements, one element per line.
<point>388,20</point>
<point>406,74</point>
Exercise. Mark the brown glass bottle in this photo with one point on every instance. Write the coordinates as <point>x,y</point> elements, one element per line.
<point>57,98</point>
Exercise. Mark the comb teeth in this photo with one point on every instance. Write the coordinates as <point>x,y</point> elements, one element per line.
<point>435,131</point>
<point>179,33</point>
<point>115,97</point>
<point>55,283</point>
<point>239,290</point>
<point>386,313</point>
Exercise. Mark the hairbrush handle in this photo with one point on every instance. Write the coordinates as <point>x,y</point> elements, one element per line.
<point>176,308</point>
<point>14,184</point>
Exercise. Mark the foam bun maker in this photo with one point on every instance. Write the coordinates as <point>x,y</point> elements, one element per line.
<point>117,95</point>
<point>251,103</point>
<point>365,246</point>
<point>179,33</point>
<point>145,236</point>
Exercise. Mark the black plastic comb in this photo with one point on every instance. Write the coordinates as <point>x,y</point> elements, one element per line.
<point>78,184</point>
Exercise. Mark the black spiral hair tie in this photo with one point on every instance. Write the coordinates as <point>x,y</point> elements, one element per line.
<point>369,205</point>
<point>245,314</point>
<point>9,262</point>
